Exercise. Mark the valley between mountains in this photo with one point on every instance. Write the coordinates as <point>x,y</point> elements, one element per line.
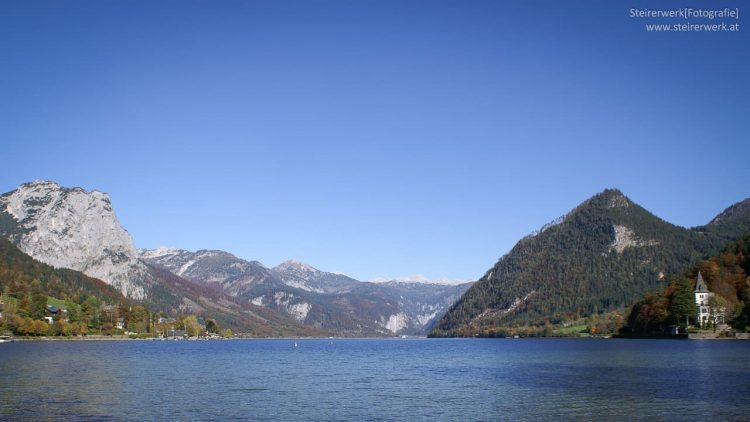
<point>66,244</point>
<point>79,230</point>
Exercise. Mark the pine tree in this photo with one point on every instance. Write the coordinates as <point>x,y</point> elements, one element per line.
<point>682,302</point>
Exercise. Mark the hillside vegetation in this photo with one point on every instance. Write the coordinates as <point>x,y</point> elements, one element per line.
<point>27,286</point>
<point>602,256</point>
<point>726,274</point>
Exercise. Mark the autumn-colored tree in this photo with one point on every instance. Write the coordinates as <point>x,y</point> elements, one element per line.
<point>108,329</point>
<point>648,316</point>
<point>40,328</point>
<point>192,326</point>
<point>62,328</point>
<point>726,275</point>
<point>24,306</point>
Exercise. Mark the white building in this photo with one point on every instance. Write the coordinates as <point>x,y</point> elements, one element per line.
<point>702,295</point>
<point>705,315</point>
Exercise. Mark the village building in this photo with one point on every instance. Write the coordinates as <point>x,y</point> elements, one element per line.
<point>52,312</point>
<point>166,320</point>
<point>177,334</point>
<point>705,316</point>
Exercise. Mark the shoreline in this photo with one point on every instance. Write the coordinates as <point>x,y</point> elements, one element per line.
<point>127,338</point>
<point>149,339</point>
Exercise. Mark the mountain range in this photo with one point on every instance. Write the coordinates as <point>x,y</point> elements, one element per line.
<point>601,256</point>
<point>75,229</point>
<point>325,300</point>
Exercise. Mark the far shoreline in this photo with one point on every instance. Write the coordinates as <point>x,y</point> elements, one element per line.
<point>42,339</point>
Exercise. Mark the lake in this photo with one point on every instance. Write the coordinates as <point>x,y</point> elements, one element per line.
<point>378,379</point>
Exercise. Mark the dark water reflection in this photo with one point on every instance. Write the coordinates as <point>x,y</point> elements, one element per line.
<point>376,380</point>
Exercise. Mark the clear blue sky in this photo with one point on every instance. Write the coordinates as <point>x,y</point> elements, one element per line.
<point>375,138</point>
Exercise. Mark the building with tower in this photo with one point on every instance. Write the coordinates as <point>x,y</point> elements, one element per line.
<point>707,311</point>
<point>702,296</point>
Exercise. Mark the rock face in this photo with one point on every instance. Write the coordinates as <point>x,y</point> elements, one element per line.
<point>76,229</point>
<point>313,297</point>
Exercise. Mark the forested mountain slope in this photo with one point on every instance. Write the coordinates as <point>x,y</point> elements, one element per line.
<point>603,255</point>
<point>29,283</point>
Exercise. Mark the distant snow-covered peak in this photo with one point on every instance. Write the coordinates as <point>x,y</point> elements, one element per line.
<point>414,278</point>
<point>420,279</point>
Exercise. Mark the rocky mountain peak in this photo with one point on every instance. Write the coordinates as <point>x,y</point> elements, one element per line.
<point>608,198</point>
<point>159,252</point>
<point>740,210</point>
<point>72,228</point>
<point>292,265</point>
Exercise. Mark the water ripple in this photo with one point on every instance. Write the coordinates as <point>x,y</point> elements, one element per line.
<point>414,380</point>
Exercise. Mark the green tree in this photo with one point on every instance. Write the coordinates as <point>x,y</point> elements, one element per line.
<point>212,326</point>
<point>139,319</point>
<point>682,301</point>
<point>38,306</point>
<point>72,309</point>
<point>90,312</point>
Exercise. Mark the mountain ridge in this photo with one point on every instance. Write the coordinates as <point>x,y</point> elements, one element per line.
<point>598,256</point>
<point>318,298</point>
<point>602,255</point>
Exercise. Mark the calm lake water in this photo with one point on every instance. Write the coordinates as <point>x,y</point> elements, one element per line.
<point>356,380</point>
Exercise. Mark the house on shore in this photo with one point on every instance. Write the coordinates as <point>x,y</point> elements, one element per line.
<point>706,313</point>
<point>52,312</point>
<point>702,295</point>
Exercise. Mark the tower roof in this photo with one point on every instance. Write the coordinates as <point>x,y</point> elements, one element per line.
<point>700,285</point>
